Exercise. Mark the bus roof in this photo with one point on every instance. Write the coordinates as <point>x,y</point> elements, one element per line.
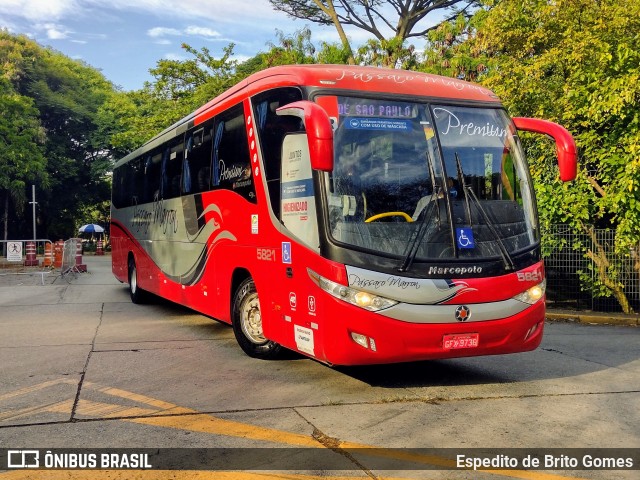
<point>355,78</point>
<point>342,77</point>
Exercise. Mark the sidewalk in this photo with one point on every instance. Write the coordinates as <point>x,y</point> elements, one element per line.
<point>593,318</point>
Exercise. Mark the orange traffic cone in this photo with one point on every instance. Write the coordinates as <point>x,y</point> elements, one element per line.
<point>48,255</point>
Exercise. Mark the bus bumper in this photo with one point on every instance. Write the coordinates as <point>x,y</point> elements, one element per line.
<point>392,341</point>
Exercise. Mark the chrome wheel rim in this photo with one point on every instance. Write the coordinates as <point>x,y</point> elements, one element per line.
<point>251,319</point>
<point>134,280</point>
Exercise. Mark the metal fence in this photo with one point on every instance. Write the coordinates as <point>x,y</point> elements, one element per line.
<point>572,276</point>
<point>26,257</point>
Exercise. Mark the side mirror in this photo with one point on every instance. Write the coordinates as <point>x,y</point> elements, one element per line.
<point>319,132</point>
<point>565,145</point>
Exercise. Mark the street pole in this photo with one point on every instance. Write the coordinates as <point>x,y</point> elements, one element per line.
<point>33,202</point>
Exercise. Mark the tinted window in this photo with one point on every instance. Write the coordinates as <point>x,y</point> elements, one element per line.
<point>152,176</point>
<point>172,169</point>
<point>196,176</point>
<point>232,162</point>
<point>272,129</point>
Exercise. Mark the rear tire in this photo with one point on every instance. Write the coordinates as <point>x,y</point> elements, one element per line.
<point>247,323</point>
<point>138,295</point>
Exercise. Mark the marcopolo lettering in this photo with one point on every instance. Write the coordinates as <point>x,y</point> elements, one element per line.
<point>454,270</point>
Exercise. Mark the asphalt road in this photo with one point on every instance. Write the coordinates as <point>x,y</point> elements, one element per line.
<point>82,367</point>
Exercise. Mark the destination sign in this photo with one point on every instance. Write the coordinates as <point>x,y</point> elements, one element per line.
<point>359,107</point>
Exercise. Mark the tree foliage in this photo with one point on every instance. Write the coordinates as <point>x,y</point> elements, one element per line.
<point>452,49</point>
<point>389,22</point>
<point>128,119</point>
<point>59,98</point>
<point>576,62</point>
<point>295,48</point>
<point>21,145</point>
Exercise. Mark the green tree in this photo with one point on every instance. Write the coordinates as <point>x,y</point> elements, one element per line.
<point>389,22</point>
<point>388,53</point>
<point>123,122</point>
<point>453,50</point>
<point>296,48</point>
<point>21,158</point>
<point>576,62</point>
<point>128,119</point>
<point>291,49</point>
<point>66,95</point>
<point>188,84</point>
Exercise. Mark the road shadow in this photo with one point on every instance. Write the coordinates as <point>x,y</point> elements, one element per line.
<point>422,374</point>
<point>567,350</point>
<point>213,328</point>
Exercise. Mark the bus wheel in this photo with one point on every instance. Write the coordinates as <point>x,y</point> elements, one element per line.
<point>137,294</point>
<point>247,323</point>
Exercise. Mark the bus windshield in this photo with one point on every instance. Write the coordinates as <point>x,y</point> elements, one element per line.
<point>429,181</point>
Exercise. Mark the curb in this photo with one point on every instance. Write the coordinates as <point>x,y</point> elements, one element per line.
<point>594,318</point>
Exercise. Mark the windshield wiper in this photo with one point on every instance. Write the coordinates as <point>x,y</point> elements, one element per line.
<point>434,186</point>
<point>418,235</point>
<point>464,188</point>
<point>469,193</point>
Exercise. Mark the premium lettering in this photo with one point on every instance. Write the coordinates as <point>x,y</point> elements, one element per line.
<point>454,125</point>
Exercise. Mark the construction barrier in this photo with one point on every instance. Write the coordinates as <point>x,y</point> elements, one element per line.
<point>99,250</point>
<point>58,250</point>
<point>31,260</point>
<point>48,255</point>
<point>80,267</point>
<point>72,257</point>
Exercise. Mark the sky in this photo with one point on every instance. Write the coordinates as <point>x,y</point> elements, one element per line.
<point>125,38</point>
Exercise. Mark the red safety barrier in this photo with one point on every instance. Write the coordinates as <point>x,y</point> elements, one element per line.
<point>31,260</point>
<point>80,267</point>
<point>58,248</point>
<point>99,250</point>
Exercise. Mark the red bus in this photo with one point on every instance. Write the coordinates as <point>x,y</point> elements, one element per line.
<point>356,215</point>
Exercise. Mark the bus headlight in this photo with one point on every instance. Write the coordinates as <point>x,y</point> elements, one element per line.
<point>533,294</point>
<point>359,298</point>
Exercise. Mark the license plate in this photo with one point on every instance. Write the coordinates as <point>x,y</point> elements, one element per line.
<point>455,341</point>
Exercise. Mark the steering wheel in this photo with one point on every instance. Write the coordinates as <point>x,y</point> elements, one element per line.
<point>389,214</point>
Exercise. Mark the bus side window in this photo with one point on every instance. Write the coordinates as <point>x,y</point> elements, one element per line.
<point>232,162</point>
<point>135,178</point>
<point>151,177</point>
<point>196,175</point>
<point>172,169</point>
<point>117,197</point>
<point>272,129</point>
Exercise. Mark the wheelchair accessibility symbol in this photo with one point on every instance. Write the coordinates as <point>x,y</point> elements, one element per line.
<point>464,236</point>
<point>286,252</point>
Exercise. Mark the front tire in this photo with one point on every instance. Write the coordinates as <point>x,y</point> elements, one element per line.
<point>247,323</point>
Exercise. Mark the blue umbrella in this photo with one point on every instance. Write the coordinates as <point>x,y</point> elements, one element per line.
<point>91,228</point>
